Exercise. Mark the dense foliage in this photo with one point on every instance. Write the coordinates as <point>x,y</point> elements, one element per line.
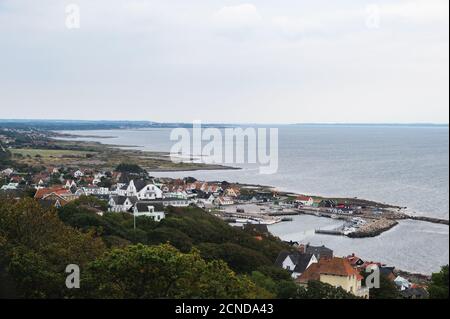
<point>5,158</point>
<point>387,290</point>
<point>36,246</point>
<point>438,288</point>
<point>129,168</point>
<point>319,290</point>
<point>163,272</point>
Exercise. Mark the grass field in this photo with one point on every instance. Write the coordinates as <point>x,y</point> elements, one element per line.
<point>48,153</point>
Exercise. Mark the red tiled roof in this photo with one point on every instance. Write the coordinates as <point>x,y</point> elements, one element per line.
<point>334,266</point>
<point>41,193</point>
<point>303,198</point>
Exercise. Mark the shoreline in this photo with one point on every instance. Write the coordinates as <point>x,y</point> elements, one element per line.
<point>399,215</point>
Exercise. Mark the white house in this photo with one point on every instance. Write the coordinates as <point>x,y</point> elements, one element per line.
<point>95,190</point>
<point>296,263</point>
<point>119,204</point>
<point>175,202</point>
<point>402,283</point>
<point>150,192</point>
<point>78,174</point>
<point>142,190</point>
<point>10,186</point>
<point>304,200</point>
<point>146,209</point>
<point>180,195</point>
<point>7,172</point>
<point>98,178</point>
<point>210,200</point>
<point>70,184</point>
<point>223,201</point>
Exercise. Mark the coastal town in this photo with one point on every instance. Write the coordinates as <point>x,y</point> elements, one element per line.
<point>129,188</point>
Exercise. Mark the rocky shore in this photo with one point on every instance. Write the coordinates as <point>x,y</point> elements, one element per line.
<point>374,228</point>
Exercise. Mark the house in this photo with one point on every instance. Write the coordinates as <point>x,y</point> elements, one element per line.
<point>388,272</point>
<point>16,179</point>
<point>232,192</point>
<point>175,202</point>
<point>176,194</point>
<point>223,201</point>
<point>53,200</point>
<point>70,184</point>
<point>56,192</point>
<point>147,209</point>
<point>78,174</point>
<point>296,263</point>
<point>95,190</point>
<point>203,200</point>
<point>10,186</point>
<point>305,200</point>
<point>318,251</point>
<point>7,172</point>
<point>337,272</point>
<point>328,203</point>
<point>214,189</point>
<point>142,190</point>
<point>121,204</point>
<point>355,261</point>
<point>402,283</point>
<point>98,178</point>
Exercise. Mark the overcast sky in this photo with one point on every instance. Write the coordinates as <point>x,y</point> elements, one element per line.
<point>267,61</point>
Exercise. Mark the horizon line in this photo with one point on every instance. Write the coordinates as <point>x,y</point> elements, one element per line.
<point>229,123</point>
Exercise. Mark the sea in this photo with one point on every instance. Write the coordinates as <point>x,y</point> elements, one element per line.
<point>404,165</point>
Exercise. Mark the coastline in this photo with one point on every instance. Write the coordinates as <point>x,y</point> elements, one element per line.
<point>401,213</point>
<point>100,147</point>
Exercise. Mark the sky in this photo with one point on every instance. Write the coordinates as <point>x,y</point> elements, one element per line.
<point>277,61</point>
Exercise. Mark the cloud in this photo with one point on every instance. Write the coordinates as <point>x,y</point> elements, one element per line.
<point>295,26</point>
<point>235,17</point>
<point>418,10</point>
<point>178,60</point>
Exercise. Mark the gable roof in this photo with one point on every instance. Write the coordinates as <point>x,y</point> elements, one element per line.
<point>300,260</point>
<point>133,199</point>
<point>319,251</point>
<point>41,193</point>
<point>281,257</point>
<point>139,184</point>
<point>334,267</point>
<point>143,206</point>
<point>120,200</point>
<point>303,198</point>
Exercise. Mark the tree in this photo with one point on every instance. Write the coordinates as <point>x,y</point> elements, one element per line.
<point>163,272</point>
<point>129,168</point>
<point>438,288</point>
<point>36,247</point>
<point>240,259</point>
<point>5,158</point>
<point>92,202</point>
<point>387,290</point>
<point>320,290</point>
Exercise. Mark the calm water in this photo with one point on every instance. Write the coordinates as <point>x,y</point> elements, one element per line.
<point>407,166</point>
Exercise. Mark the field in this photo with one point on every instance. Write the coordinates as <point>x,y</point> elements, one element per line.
<point>49,157</point>
<point>98,156</point>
